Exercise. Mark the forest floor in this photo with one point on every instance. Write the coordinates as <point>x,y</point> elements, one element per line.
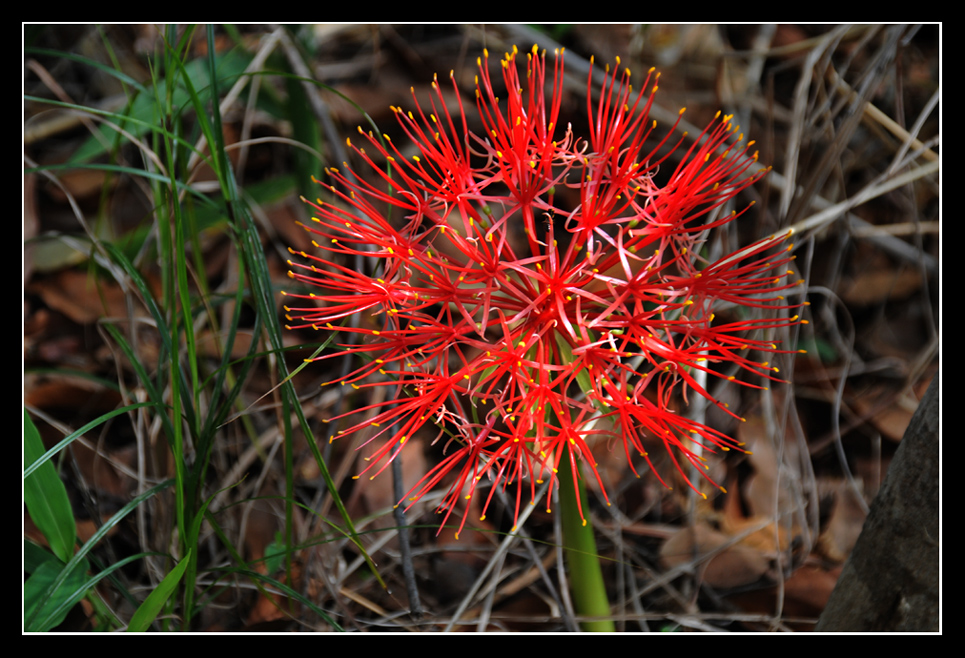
<point>847,118</point>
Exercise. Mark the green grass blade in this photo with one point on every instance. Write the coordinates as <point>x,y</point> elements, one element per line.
<point>165,333</point>
<point>47,456</point>
<point>104,68</point>
<point>120,169</point>
<point>148,611</point>
<point>147,297</point>
<point>144,125</point>
<point>254,575</point>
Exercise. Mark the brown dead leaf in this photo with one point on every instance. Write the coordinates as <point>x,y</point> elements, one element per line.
<point>807,591</point>
<point>101,463</point>
<point>79,297</point>
<point>60,392</point>
<point>271,606</point>
<point>875,286</point>
<point>81,183</point>
<point>374,494</point>
<point>527,612</point>
<point>31,223</point>
<point>209,345</point>
<point>285,218</point>
<point>889,413</point>
<point>843,526</point>
<point>765,482</point>
<point>732,565</point>
<point>757,532</point>
<point>803,597</point>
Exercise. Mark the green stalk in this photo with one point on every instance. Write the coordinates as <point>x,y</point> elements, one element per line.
<point>579,544</point>
<point>582,559</point>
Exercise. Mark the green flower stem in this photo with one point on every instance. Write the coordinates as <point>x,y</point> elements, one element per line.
<point>582,559</point>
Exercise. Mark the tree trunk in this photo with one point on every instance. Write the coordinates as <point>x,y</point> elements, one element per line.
<point>890,581</point>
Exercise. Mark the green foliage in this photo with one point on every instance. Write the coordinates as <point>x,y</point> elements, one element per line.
<point>47,594</point>
<point>173,121</point>
<point>58,580</point>
<point>146,614</point>
<point>275,554</point>
<point>45,495</point>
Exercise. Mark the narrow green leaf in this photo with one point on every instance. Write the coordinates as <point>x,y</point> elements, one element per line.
<point>148,611</point>
<point>46,497</point>
<point>566,357</point>
<point>103,68</point>
<point>47,456</point>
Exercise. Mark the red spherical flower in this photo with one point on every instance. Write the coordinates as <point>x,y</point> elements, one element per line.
<point>520,351</point>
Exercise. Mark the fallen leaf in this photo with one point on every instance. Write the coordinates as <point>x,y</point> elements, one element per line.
<point>843,526</point>
<point>732,565</point>
<point>79,297</point>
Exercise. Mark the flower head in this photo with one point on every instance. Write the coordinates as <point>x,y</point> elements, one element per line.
<point>521,350</point>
